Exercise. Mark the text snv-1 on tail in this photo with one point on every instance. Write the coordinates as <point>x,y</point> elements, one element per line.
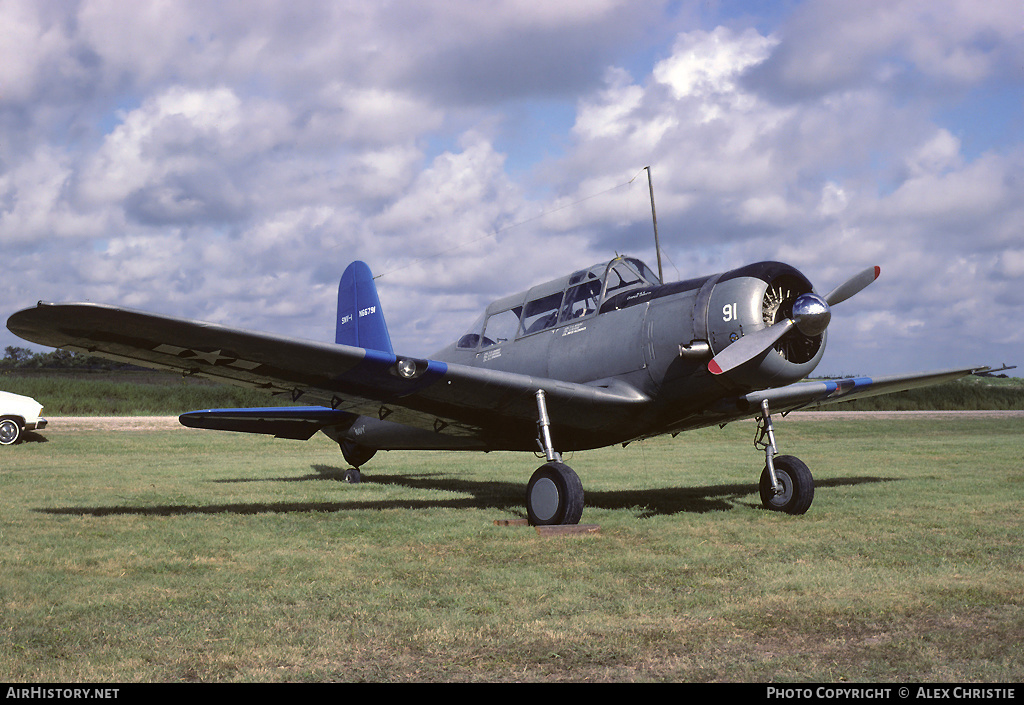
<point>600,356</point>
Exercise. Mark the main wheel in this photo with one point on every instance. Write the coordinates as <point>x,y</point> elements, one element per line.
<point>797,486</point>
<point>554,496</point>
<point>10,431</point>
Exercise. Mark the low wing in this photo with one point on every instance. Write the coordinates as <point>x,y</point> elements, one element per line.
<point>814,394</point>
<point>426,394</point>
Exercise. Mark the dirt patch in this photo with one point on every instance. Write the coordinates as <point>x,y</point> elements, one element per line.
<point>113,423</point>
<point>164,423</point>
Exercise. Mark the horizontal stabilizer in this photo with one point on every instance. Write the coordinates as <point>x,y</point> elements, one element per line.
<point>298,423</point>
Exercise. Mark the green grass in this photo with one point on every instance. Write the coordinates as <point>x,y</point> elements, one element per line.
<point>205,556</point>
<point>969,393</point>
<point>144,393</point>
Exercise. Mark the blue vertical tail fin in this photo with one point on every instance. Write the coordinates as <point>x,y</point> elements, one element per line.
<point>360,317</point>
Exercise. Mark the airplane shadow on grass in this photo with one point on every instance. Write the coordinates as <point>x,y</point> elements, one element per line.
<point>497,495</point>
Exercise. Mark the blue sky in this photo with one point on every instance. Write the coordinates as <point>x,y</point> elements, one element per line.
<point>225,161</point>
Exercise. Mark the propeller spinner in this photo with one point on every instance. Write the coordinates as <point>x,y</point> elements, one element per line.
<point>811,315</point>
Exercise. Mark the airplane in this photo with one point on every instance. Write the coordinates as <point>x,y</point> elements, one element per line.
<point>602,356</point>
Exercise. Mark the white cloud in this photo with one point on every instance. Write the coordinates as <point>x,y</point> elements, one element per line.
<point>34,201</point>
<point>31,46</point>
<point>937,155</point>
<point>1011,264</point>
<point>971,194</point>
<point>348,114</point>
<point>607,115</point>
<point>831,44</point>
<point>179,133</point>
<point>708,63</point>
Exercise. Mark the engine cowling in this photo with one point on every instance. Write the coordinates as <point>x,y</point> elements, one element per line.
<point>758,296</point>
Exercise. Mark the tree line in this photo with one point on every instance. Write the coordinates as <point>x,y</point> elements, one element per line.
<point>16,358</point>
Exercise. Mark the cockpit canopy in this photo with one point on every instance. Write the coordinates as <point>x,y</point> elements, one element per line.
<point>603,287</point>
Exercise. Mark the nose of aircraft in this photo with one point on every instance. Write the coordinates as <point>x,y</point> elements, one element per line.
<point>811,314</point>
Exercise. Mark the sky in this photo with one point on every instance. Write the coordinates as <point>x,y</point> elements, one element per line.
<point>225,161</point>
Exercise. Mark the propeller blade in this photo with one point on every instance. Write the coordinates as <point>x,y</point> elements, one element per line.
<point>748,347</point>
<point>852,286</point>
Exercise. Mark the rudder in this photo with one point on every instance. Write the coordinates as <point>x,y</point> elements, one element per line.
<point>360,316</point>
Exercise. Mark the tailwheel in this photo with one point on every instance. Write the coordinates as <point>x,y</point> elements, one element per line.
<point>554,495</point>
<point>356,456</point>
<point>796,486</point>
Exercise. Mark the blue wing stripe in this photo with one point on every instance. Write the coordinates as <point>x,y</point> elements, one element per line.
<point>840,388</point>
<point>376,377</point>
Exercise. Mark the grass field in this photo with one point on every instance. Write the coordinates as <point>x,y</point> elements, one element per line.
<point>202,556</point>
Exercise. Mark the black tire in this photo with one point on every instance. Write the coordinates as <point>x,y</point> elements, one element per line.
<point>554,496</point>
<point>10,432</point>
<point>797,486</point>
<point>352,476</point>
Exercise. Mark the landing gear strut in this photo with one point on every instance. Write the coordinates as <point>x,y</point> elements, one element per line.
<point>555,493</point>
<point>786,484</point>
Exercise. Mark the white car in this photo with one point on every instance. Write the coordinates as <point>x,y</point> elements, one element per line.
<point>17,414</point>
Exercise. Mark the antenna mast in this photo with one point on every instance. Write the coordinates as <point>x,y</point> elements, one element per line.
<point>654,216</point>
